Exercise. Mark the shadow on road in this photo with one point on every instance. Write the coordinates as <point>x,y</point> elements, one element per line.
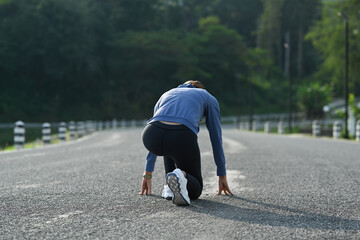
<point>269,215</point>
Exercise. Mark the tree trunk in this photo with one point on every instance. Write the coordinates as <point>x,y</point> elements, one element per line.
<point>279,47</point>
<point>300,52</point>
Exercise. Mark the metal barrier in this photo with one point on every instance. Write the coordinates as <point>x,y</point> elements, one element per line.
<point>82,128</point>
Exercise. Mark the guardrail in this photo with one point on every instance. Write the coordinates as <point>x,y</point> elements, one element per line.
<point>331,128</point>
<point>62,131</point>
<point>18,134</point>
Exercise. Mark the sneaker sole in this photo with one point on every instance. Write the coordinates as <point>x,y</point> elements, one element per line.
<point>174,184</point>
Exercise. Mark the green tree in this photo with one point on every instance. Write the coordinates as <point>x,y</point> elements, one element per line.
<point>241,15</point>
<point>312,99</point>
<point>295,18</point>
<point>99,59</point>
<point>328,37</point>
<point>223,56</point>
<point>150,63</point>
<point>49,58</point>
<point>135,15</point>
<point>354,106</point>
<point>298,17</point>
<point>269,30</point>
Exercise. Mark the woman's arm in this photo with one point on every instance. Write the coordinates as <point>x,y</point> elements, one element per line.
<point>213,124</point>
<point>149,168</point>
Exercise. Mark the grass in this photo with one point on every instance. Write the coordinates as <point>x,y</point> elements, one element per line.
<point>35,143</point>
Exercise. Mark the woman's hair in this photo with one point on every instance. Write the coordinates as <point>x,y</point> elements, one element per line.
<point>195,83</point>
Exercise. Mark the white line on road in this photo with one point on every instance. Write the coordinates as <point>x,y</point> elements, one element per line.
<point>230,147</point>
<point>79,140</point>
<point>233,177</point>
<point>22,185</point>
<point>26,186</point>
<point>63,216</point>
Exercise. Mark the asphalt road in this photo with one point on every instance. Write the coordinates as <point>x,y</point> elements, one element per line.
<point>286,187</point>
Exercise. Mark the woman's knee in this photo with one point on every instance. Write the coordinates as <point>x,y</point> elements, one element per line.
<point>194,195</point>
<point>195,189</point>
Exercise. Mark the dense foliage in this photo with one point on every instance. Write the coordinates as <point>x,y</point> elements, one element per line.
<point>104,59</point>
<point>328,36</point>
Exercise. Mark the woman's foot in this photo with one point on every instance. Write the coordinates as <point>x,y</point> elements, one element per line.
<point>177,183</point>
<point>167,193</point>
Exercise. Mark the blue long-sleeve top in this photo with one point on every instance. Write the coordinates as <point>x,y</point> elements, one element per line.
<point>187,105</point>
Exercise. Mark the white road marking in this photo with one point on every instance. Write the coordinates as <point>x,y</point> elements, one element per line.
<point>232,146</point>
<point>207,153</point>
<point>63,216</point>
<point>233,177</point>
<point>21,185</point>
<point>79,140</point>
<point>113,140</point>
<point>39,154</point>
<point>26,186</point>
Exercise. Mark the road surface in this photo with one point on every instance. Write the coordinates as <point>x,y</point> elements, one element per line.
<point>285,187</point>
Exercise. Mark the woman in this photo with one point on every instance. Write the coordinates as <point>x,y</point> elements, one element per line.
<point>172,133</point>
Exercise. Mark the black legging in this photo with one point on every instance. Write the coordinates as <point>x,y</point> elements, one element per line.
<point>179,146</point>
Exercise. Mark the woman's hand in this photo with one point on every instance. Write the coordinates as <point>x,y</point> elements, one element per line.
<point>146,183</point>
<point>223,186</point>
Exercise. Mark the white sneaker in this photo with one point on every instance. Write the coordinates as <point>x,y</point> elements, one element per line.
<point>177,183</point>
<point>167,193</point>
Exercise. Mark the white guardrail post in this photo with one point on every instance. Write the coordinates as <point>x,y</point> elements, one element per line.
<point>72,130</point>
<point>81,129</point>
<point>46,133</point>
<point>336,130</point>
<point>19,135</point>
<point>358,131</point>
<point>267,127</point>
<point>280,127</point>
<point>254,125</point>
<point>316,128</point>
<point>114,124</point>
<point>100,126</point>
<point>62,132</point>
<point>87,126</point>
